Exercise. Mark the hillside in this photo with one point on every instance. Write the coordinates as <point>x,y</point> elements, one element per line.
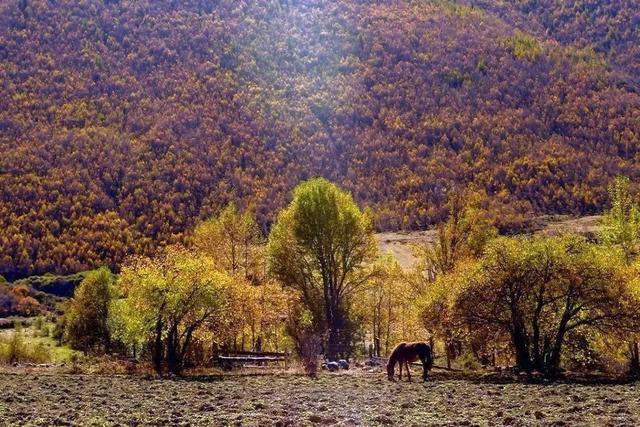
<point>611,28</point>
<point>122,123</point>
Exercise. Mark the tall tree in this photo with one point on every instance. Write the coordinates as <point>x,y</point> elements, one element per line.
<point>463,234</point>
<point>234,240</point>
<point>388,307</point>
<point>621,224</point>
<point>86,320</point>
<point>621,229</point>
<point>320,245</point>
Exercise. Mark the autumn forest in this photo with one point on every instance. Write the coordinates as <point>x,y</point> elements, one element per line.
<point>123,124</point>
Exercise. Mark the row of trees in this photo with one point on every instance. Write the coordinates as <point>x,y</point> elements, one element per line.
<point>317,281</point>
<point>530,298</point>
<point>186,303</point>
<point>314,280</point>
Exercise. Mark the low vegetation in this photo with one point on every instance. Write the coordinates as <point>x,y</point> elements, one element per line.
<point>32,345</point>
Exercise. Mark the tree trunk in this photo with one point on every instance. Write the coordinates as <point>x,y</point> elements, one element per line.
<point>174,359</point>
<point>634,365</point>
<point>335,345</point>
<point>521,346</point>
<point>157,348</point>
<point>553,363</point>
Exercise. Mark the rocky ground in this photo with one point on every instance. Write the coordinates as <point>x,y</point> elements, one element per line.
<point>346,398</point>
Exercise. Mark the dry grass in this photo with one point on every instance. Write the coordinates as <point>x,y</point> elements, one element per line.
<point>31,345</point>
<point>400,243</point>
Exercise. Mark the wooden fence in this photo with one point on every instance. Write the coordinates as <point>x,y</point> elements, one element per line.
<point>254,359</point>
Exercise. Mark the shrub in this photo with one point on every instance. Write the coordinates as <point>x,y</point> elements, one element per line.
<point>38,323</point>
<point>455,78</point>
<point>15,349</point>
<point>45,331</point>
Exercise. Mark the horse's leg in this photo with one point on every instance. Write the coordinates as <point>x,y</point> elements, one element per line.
<point>408,370</point>
<point>424,369</point>
<point>400,373</point>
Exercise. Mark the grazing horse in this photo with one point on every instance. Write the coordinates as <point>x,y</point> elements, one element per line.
<point>409,352</point>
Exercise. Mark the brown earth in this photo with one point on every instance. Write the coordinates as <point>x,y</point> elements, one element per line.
<point>400,244</point>
<point>346,398</point>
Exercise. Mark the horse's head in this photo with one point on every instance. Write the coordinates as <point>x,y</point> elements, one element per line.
<point>390,370</point>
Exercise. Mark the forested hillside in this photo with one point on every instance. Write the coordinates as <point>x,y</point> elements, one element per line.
<point>611,28</point>
<point>122,123</point>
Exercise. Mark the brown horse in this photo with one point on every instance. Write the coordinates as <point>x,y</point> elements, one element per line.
<point>409,352</point>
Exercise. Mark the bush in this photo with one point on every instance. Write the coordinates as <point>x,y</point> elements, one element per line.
<point>78,363</point>
<point>15,349</point>
<point>45,331</point>
<point>38,323</point>
<point>469,362</point>
<point>524,47</point>
<point>58,330</point>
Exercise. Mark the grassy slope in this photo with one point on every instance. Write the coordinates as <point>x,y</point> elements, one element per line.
<point>32,338</point>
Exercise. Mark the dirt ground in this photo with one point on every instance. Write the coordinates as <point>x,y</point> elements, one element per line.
<point>400,244</point>
<point>346,398</point>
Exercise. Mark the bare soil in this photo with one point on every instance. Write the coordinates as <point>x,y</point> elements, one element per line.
<point>400,243</point>
<point>345,398</point>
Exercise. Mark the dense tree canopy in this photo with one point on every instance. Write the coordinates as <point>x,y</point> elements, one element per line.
<point>256,306</point>
<point>320,246</point>
<point>163,303</point>
<point>86,319</point>
<point>609,27</point>
<point>124,123</point>
<point>538,294</point>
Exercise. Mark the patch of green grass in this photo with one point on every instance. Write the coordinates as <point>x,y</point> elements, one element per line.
<point>32,346</point>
